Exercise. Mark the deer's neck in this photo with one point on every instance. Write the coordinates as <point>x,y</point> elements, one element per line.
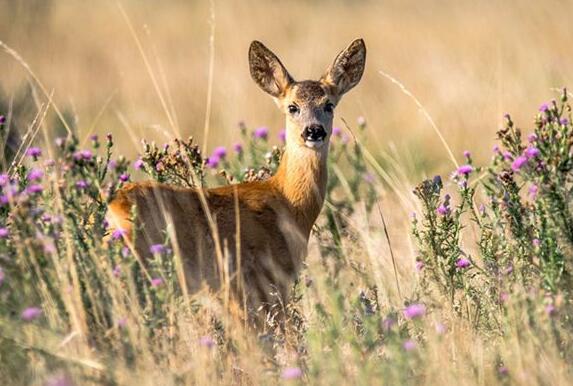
<point>301,178</point>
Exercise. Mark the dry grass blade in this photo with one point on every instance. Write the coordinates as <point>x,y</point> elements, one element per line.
<point>425,113</point>
<point>211,74</point>
<point>25,65</point>
<point>149,70</point>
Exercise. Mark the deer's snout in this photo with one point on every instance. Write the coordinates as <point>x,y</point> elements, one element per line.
<point>314,133</point>
<point>314,136</point>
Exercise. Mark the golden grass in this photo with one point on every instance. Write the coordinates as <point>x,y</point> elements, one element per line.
<point>158,69</point>
<point>466,62</point>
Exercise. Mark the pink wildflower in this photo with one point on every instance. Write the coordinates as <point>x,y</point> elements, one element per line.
<point>414,311</point>
<point>31,313</point>
<point>291,373</point>
<point>519,163</point>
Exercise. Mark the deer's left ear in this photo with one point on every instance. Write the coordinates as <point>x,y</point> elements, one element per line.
<point>347,68</point>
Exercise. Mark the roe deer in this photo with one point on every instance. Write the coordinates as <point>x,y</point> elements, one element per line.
<point>266,250</point>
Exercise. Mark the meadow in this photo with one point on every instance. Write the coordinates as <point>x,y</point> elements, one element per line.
<point>443,253</point>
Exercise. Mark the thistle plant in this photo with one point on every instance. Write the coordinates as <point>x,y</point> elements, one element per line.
<point>522,225</point>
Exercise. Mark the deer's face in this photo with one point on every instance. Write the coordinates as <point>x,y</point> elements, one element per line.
<point>308,105</point>
<point>309,109</point>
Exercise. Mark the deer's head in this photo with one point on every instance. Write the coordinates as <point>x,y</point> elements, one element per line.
<point>309,104</point>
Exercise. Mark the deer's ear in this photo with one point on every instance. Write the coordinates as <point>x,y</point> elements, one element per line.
<point>267,70</point>
<point>347,68</point>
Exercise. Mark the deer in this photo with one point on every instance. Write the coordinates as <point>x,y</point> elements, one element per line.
<point>263,227</point>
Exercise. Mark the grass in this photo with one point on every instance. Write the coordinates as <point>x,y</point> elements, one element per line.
<point>474,288</point>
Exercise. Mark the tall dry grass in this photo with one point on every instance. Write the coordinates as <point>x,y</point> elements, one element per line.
<point>466,63</point>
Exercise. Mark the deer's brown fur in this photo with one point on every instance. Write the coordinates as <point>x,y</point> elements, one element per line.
<point>276,215</point>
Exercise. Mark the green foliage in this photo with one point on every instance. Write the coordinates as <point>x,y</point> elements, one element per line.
<point>522,228</point>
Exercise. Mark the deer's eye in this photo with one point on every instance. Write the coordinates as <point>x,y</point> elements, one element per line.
<point>293,109</point>
<point>329,107</point>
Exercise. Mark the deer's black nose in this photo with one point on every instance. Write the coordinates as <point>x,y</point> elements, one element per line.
<point>314,133</point>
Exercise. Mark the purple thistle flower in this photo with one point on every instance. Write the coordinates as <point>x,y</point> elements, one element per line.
<point>124,177</point>
<point>532,152</point>
<point>467,154</point>
<point>441,328</point>
<point>59,380</point>
<point>238,148</point>
<point>518,163</point>
<point>507,156</point>
<point>532,137</point>
<point>116,271</point>
<point>282,135</point>
<point>550,310</point>
<point>336,131</point>
<point>212,162</point>
<point>462,263</point>
<point>291,373</point>
<point>261,133</point>
<point>388,323</point>
<point>419,265</point>
<point>544,107</point>
<point>118,234</point>
<point>30,314</point>
<point>157,249</point>
<point>156,282</point>
<point>442,210</point>
<point>207,341</point>
<point>35,174</point>
<point>533,191</point>
<point>122,323</point>
<point>111,165</point>
<point>2,119</point>
<point>81,184</point>
<point>4,179</point>
<point>564,121</point>
<point>4,200</point>
<point>220,152</point>
<point>49,246</point>
<point>414,311</point>
<point>34,152</point>
<point>536,242</point>
<point>34,189</point>
<point>125,251</point>
<point>409,345</point>
<point>85,155</point>
<point>496,149</point>
<point>138,164</point>
<point>369,178</point>
<point>503,371</point>
<point>465,170</point>
<point>159,166</point>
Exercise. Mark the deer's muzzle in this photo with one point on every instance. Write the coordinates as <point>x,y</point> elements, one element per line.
<point>314,136</point>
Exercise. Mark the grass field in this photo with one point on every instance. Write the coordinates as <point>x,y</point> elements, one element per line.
<point>463,279</point>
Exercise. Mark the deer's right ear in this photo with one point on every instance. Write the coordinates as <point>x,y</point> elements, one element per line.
<point>267,70</point>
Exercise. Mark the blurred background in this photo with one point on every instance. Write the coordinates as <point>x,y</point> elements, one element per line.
<point>467,62</point>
